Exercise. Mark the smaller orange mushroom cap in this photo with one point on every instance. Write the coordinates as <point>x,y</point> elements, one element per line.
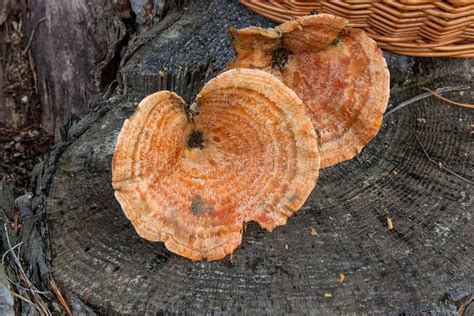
<point>249,152</point>
<point>340,75</point>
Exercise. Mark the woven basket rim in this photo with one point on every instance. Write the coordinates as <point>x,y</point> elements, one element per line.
<point>407,27</point>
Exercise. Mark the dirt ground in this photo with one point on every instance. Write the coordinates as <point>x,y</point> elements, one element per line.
<point>23,142</point>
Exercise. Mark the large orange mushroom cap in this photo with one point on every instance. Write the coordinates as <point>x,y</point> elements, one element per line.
<point>340,75</point>
<point>249,152</point>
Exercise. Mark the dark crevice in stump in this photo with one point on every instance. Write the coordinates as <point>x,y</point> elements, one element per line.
<point>186,49</point>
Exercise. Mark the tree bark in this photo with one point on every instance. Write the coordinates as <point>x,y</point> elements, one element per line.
<point>77,52</point>
<point>424,264</point>
<point>76,37</point>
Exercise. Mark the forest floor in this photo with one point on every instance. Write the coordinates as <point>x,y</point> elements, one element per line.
<point>23,142</point>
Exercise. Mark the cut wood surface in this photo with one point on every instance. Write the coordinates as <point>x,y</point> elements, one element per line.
<point>423,264</point>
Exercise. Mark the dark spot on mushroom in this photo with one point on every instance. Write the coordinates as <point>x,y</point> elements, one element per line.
<point>280,57</point>
<point>195,140</point>
<point>198,206</point>
<point>293,198</point>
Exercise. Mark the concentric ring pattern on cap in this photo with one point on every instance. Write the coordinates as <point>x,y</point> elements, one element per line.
<point>340,75</point>
<point>256,159</point>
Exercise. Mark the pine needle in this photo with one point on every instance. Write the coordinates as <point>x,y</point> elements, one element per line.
<point>60,297</point>
<point>439,164</point>
<point>464,105</point>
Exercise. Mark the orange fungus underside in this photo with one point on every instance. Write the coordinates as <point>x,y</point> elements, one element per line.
<point>249,153</point>
<point>340,75</point>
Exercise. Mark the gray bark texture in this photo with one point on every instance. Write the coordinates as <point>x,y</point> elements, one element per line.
<point>423,265</point>
<point>73,50</point>
<point>77,52</point>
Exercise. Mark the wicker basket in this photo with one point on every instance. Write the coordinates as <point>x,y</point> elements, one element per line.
<point>407,27</point>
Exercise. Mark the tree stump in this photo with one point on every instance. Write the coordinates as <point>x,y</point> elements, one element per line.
<point>423,264</point>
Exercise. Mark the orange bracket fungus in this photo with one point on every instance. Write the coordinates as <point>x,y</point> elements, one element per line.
<point>339,74</point>
<point>244,151</point>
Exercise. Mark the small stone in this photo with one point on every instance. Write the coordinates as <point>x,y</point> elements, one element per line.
<point>24,99</point>
<point>313,232</point>
<point>327,296</point>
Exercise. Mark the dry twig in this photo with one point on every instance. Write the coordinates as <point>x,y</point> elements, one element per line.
<point>32,36</point>
<point>60,297</point>
<point>10,250</point>
<point>38,303</point>
<point>21,278</point>
<point>24,299</point>
<point>16,223</point>
<point>423,96</point>
<point>33,70</point>
<point>464,105</point>
<point>439,164</point>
